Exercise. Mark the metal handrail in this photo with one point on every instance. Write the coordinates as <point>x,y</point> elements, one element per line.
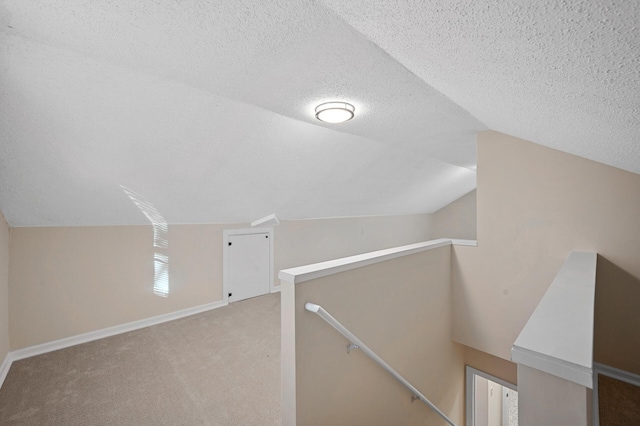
<point>357,343</point>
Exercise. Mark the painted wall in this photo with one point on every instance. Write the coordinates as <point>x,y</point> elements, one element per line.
<point>4,288</point>
<point>535,205</point>
<point>616,337</point>
<point>458,219</point>
<point>496,366</point>
<point>565,403</point>
<point>302,242</point>
<point>401,309</point>
<point>68,281</point>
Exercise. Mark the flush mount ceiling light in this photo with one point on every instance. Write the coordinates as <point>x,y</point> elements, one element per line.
<point>335,112</point>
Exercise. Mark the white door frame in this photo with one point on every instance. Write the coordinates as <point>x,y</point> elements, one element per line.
<point>470,393</point>
<point>225,256</point>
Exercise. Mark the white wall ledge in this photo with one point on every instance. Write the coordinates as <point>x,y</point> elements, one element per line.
<point>316,270</point>
<point>558,338</point>
<point>458,242</point>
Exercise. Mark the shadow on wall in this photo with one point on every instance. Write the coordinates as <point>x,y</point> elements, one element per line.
<point>458,219</point>
<point>617,318</point>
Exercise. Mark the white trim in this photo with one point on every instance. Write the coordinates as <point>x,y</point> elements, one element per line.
<point>4,368</point>
<point>491,377</point>
<point>470,396</point>
<point>225,256</point>
<point>558,337</point>
<point>271,220</point>
<point>99,334</point>
<point>555,366</point>
<point>111,331</point>
<point>322,269</point>
<point>616,373</point>
<point>471,243</point>
<point>470,392</point>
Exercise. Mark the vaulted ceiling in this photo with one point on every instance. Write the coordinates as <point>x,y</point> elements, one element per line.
<point>205,108</point>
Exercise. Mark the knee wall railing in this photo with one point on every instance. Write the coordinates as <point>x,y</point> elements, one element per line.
<point>357,343</point>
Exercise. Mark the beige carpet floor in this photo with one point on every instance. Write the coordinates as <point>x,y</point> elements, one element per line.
<point>618,402</point>
<point>221,367</point>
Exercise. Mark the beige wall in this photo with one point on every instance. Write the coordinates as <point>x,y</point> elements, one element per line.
<point>617,317</point>
<point>303,242</point>
<point>4,288</point>
<point>68,281</point>
<point>536,205</point>
<point>401,309</point>
<point>548,400</point>
<point>497,367</point>
<point>458,219</point>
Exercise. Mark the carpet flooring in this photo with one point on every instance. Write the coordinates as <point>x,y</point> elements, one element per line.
<point>618,402</point>
<point>220,367</point>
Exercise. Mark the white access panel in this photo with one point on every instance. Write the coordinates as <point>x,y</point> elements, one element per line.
<point>249,263</point>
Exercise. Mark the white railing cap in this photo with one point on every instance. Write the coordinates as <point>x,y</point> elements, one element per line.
<point>330,267</point>
<point>558,338</point>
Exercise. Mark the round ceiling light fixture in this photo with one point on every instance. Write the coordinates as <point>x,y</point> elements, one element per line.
<point>335,112</point>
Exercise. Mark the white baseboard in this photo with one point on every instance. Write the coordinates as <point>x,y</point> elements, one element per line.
<point>616,373</point>
<point>457,242</point>
<point>4,368</point>
<point>100,334</point>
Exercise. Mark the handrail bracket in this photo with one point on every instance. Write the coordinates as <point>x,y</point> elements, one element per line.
<point>355,343</point>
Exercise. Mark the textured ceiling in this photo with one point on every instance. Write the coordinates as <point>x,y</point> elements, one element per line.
<point>206,108</point>
<point>565,74</point>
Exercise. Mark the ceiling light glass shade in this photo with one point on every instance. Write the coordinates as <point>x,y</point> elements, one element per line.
<point>335,112</point>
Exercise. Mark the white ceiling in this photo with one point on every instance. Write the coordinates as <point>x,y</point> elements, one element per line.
<point>206,108</point>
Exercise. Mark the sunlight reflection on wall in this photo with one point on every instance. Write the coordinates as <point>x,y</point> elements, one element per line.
<point>160,242</point>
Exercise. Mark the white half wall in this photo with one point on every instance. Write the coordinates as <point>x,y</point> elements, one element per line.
<point>548,400</point>
<point>401,309</point>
